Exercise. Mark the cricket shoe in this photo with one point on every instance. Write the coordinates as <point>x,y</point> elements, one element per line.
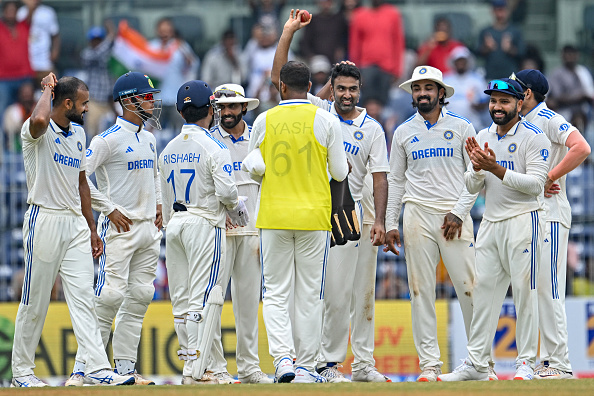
<point>27,381</point>
<point>304,376</point>
<point>257,377</point>
<point>540,367</point>
<point>225,378</point>
<point>524,372</point>
<point>369,374</point>
<point>491,374</point>
<point>108,377</point>
<point>464,372</point>
<point>207,379</point>
<point>429,374</point>
<point>332,374</point>
<point>284,371</point>
<point>140,380</point>
<point>553,373</point>
<point>76,379</point>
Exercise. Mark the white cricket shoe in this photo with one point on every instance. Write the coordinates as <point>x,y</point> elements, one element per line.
<point>207,379</point>
<point>524,372</point>
<point>140,380</point>
<point>464,372</point>
<point>304,376</point>
<point>491,374</point>
<point>257,377</point>
<point>284,371</point>
<point>429,374</point>
<point>27,381</point>
<point>76,379</point>
<point>332,374</point>
<point>225,378</point>
<point>369,374</point>
<point>553,373</point>
<point>108,377</point>
<point>540,367</point>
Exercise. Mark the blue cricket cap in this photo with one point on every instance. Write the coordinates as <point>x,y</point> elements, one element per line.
<point>96,32</point>
<point>131,84</point>
<point>533,79</point>
<point>194,93</point>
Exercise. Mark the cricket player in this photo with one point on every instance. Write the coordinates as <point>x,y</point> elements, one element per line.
<point>298,142</point>
<point>427,166</point>
<point>128,198</point>
<point>568,150</point>
<point>364,143</point>
<point>198,191</point>
<point>242,264</point>
<point>59,233</point>
<point>510,159</point>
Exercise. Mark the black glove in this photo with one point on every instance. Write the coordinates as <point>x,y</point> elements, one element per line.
<point>345,224</point>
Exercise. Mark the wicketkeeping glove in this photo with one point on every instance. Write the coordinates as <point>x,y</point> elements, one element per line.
<point>239,215</point>
<point>345,224</point>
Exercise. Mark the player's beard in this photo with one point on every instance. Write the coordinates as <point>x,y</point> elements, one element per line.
<point>425,107</point>
<point>346,108</point>
<point>230,121</point>
<point>507,117</point>
<point>75,117</point>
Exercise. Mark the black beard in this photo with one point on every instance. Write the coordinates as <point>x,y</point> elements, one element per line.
<point>73,116</point>
<point>232,123</point>
<point>345,108</point>
<point>508,117</point>
<point>425,107</point>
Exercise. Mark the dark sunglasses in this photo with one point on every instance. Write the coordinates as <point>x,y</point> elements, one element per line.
<point>228,93</point>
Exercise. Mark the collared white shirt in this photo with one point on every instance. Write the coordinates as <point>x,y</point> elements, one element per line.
<point>364,144</point>
<point>557,129</point>
<point>427,166</point>
<point>525,152</point>
<point>238,148</point>
<point>124,161</point>
<point>196,171</point>
<point>53,163</point>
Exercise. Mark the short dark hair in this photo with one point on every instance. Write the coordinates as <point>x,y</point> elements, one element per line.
<point>229,33</point>
<point>569,48</point>
<point>194,114</point>
<point>345,70</point>
<point>67,88</point>
<point>296,76</point>
<point>7,3</point>
<point>538,96</point>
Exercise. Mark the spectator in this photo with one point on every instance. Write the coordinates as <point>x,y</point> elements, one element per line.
<point>15,68</point>
<point>501,44</point>
<point>437,49</point>
<point>266,8</point>
<point>94,59</point>
<point>183,66</point>
<point>320,72</point>
<point>347,9</point>
<point>326,35</point>
<point>15,115</point>
<point>223,64</point>
<point>572,89</point>
<point>468,99</point>
<point>376,46</point>
<point>44,39</point>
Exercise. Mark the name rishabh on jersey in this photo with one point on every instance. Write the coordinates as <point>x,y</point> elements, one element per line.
<point>364,144</point>
<point>557,129</point>
<point>53,163</point>
<point>123,159</point>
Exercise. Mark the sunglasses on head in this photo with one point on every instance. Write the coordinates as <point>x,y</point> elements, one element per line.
<point>522,83</point>
<point>147,96</point>
<point>498,84</point>
<point>228,93</point>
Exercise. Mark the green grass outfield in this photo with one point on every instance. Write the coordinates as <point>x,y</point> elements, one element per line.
<point>500,388</point>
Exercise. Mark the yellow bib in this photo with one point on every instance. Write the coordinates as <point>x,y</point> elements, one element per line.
<point>295,192</point>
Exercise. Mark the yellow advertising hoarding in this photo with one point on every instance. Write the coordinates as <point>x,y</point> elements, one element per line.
<point>394,349</point>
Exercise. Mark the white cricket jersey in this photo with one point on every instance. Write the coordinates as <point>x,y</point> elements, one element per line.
<point>367,201</point>
<point>53,163</point>
<point>525,152</point>
<point>238,148</point>
<point>557,129</point>
<point>364,143</point>
<point>196,171</point>
<point>124,161</point>
<point>427,165</point>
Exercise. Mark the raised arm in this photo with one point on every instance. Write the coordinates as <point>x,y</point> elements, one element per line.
<point>40,117</point>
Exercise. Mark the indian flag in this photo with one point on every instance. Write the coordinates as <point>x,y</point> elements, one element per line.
<point>131,51</point>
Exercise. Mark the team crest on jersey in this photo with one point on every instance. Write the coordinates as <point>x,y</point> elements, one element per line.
<point>448,135</point>
<point>79,145</point>
<point>152,148</point>
<point>544,153</point>
<point>423,70</point>
<point>564,127</point>
<point>358,135</point>
<point>227,168</point>
<point>149,81</point>
<point>512,147</point>
<point>89,152</point>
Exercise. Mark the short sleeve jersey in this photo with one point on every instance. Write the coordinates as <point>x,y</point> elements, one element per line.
<point>53,163</point>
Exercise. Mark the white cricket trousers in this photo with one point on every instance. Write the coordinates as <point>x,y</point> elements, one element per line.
<point>423,244</point>
<point>56,241</point>
<point>507,250</point>
<point>195,253</point>
<point>124,289</point>
<point>293,262</point>
<point>242,267</point>
<point>551,297</point>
